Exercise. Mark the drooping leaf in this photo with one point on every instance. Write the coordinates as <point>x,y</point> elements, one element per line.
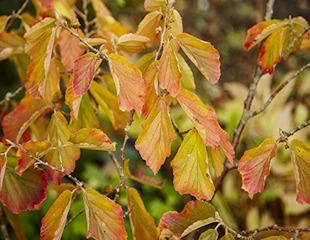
<point>202,54</point>
<point>197,225</point>
<point>226,146</point>
<point>193,211</point>
<point>69,48</point>
<point>54,220</point>
<point>169,73</point>
<point>16,122</point>
<point>10,44</point>
<point>104,217</point>
<point>300,155</point>
<point>92,138</point>
<point>109,103</point>
<point>147,27</point>
<point>254,166</point>
<point>142,223</point>
<point>20,193</point>
<point>204,118</point>
<point>156,136</point>
<point>210,234</point>
<point>153,5</point>
<point>187,80</point>
<point>84,70</point>
<point>130,85</point>
<point>39,45</point>
<point>132,43</point>
<point>217,161</point>
<point>73,101</point>
<point>58,129</point>
<point>190,168</point>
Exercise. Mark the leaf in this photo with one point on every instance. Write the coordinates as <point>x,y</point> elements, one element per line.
<point>202,54</point>
<point>84,70</point>
<point>197,225</point>
<point>109,103</point>
<point>193,211</point>
<point>37,149</point>
<point>226,146</point>
<point>156,136</point>
<point>175,27</point>
<point>217,161</point>
<point>144,62</point>
<point>16,122</point>
<point>3,162</point>
<point>104,217</point>
<point>10,44</point>
<point>254,166</point>
<point>142,223</point>
<point>3,22</point>
<point>169,73</point>
<point>129,83</point>
<point>210,234</point>
<point>73,101</point>
<point>300,155</point>
<point>153,5</point>
<point>39,46</point>
<point>30,188</point>
<point>190,168</point>
<point>147,27</point>
<point>204,118</point>
<point>103,14</point>
<point>54,220</point>
<point>58,129</point>
<point>187,80</point>
<point>227,236</point>
<point>70,48</point>
<point>275,238</point>
<point>92,138</point>
<point>132,43</point>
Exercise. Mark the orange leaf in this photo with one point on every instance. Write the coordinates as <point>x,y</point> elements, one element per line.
<point>202,54</point>
<point>204,118</point>
<point>129,83</point>
<point>156,136</point>
<point>10,44</point>
<point>132,43</point>
<point>190,168</point>
<point>147,27</point>
<point>54,220</point>
<point>74,102</point>
<point>142,223</point>
<point>193,211</point>
<point>175,26</point>
<point>39,46</point>
<point>254,166</point>
<point>3,21</point>
<point>169,73</point>
<point>104,217</point>
<point>84,72</point>
<point>152,5</point>
<point>300,155</point>
<point>103,14</point>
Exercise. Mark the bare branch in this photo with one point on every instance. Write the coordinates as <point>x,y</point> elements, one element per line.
<point>175,126</point>
<point>269,9</point>
<point>16,15</point>
<point>10,95</point>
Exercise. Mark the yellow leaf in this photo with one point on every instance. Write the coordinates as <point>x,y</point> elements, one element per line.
<point>153,5</point>
<point>10,44</point>
<point>217,160</point>
<point>187,80</point>
<point>132,43</point>
<point>190,168</point>
<point>156,137</point>
<point>3,21</point>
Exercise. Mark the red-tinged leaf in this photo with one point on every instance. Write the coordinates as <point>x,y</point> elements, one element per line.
<point>10,44</point>
<point>129,83</point>
<point>156,136</point>
<point>147,27</point>
<point>84,72</point>
<point>169,73</point>
<point>39,46</point>
<point>300,155</point>
<point>16,122</point>
<point>260,31</point>
<point>153,5</point>
<point>3,162</point>
<point>187,80</point>
<point>69,48</point>
<point>37,149</point>
<point>151,78</point>
<point>141,177</point>
<point>109,103</point>
<point>132,43</point>
<point>204,118</point>
<point>142,223</point>
<point>202,54</point>
<point>217,161</point>
<point>74,102</point>
<point>104,217</point>
<point>58,129</point>
<point>254,166</point>
<point>226,146</point>
<point>20,193</point>
<point>210,234</point>
<point>193,211</point>
<point>54,220</point>
<point>92,138</point>
<point>190,166</point>
<point>62,159</point>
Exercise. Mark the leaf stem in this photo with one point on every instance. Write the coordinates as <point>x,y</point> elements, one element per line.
<point>11,95</point>
<point>284,135</point>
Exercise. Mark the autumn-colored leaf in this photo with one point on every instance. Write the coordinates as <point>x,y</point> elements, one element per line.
<point>3,21</point>
<point>210,234</point>
<point>254,166</point>
<point>197,225</point>
<point>226,146</point>
<point>109,103</point>
<point>275,238</point>
<point>227,236</point>
<point>217,161</point>
<point>10,44</point>
<point>39,45</point>
<point>193,211</point>
<point>104,217</point>
<point>147,27</point>
<point>300,155</point>
<point>30,188</point>
<point>187,80</point>
<point>103,14</point>
<point>73,101</point>
<point>169,73</point>
<point>142,223</point>
<point>153,5</point>
<point>130,85</point>
<point>53,223</point>
<point>132,43</point>
<point>156,136</point>
<point>190,167</point>
<point>144,62</point>
<point>3,162</point>
<point>175,27</point>
<point>16,122</point>
<point>84,72</point>
<point>58,129</point>
<point>202,54</point>
<point>204,118</point>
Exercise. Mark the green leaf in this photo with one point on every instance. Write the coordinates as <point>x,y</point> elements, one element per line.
<point>227,236</point>
<point>198,225</point>
<point>210,234</point>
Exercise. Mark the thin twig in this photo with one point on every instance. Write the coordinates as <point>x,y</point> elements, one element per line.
<point>74,217</point>
<point>16,15</point>
<point>162,37</point>
<point>85,13</point>
<point>175,126</point>
<point>10,95</point>
<point>126,138</point>
<point>284,135</point>
<point>269,9</point>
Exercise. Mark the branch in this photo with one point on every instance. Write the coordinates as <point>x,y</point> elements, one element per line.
<point>175,126</point>
<point>16,15</point>
<point>10,95</point>
<point>269,9</point>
